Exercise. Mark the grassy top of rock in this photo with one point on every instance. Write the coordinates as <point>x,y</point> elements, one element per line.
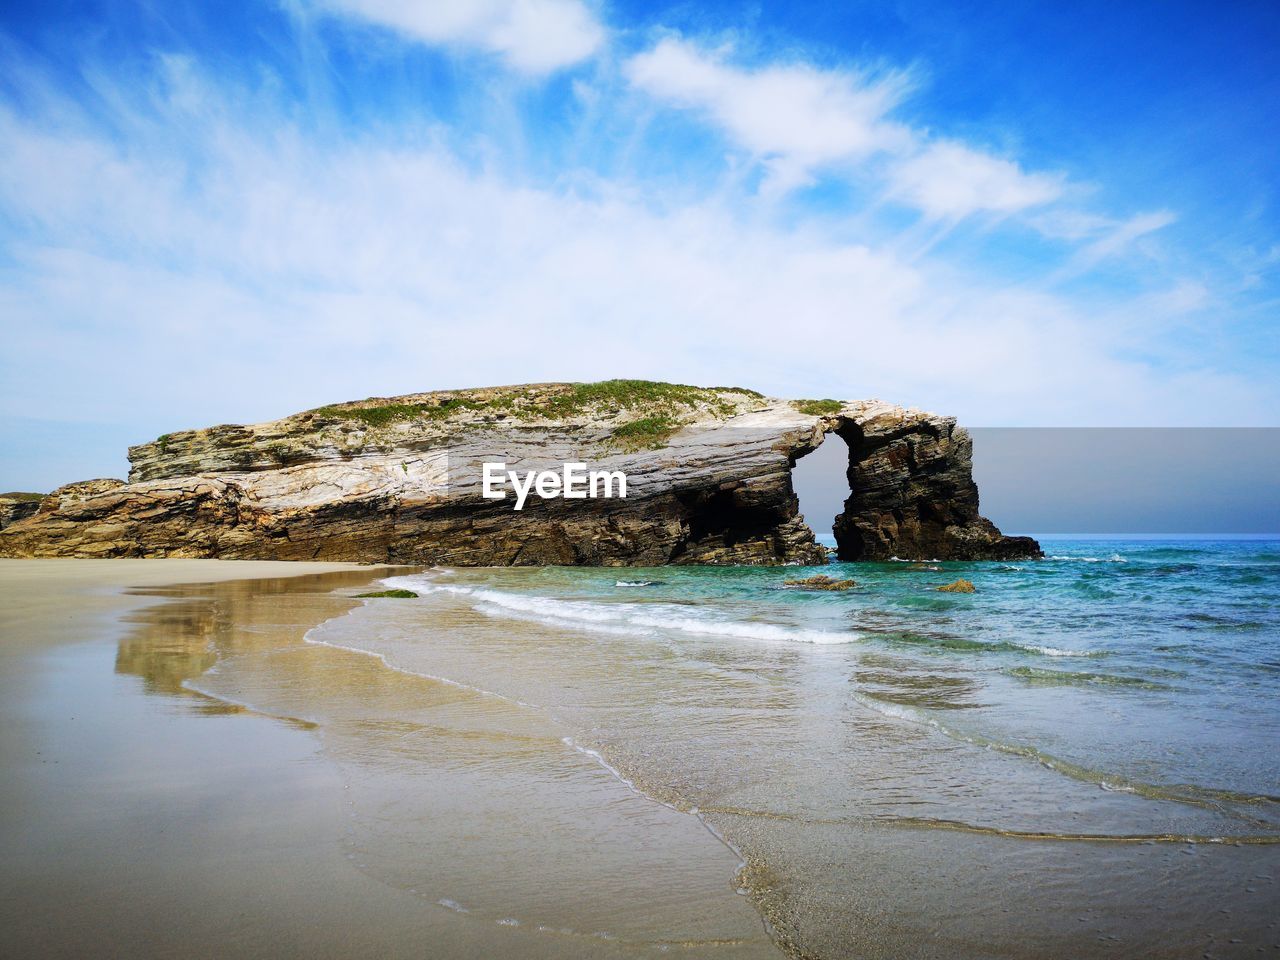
<point>626,414</point>
<point>542,402</point>
<point>640,413</point>
<point>817,408</point>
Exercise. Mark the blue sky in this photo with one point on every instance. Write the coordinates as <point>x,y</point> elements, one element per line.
<point>1018,213</point>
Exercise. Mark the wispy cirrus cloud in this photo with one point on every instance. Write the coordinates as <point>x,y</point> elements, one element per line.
<point>534,36</point>
<point>1117,238</point>
<point>947,180</point>
<point>182,210</point>
<point>385,268</point>
<point>795,117</point>
<point>801,121</point>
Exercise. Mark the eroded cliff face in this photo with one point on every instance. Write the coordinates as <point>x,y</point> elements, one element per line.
<point>399,480</point>
<point>13,509</point>
<point>912,495</point>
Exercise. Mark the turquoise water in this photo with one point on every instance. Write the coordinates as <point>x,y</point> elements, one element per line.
<point>1142,666</point>
<point>1101,723</point>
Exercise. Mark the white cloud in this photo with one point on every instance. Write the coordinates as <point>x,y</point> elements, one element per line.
<point>1122,236</point>
<point>240,274</point>
<point>798,120</point>
<point>535,36</point>
<point>794,117</point>
<point>949,181</point>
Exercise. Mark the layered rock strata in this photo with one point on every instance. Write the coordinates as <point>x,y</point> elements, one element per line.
<point>911,492</point>
<point>13,509</point>
<point>398,480</point>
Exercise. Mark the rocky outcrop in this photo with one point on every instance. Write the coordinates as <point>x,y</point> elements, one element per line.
<point>911,492</point>
<point>17,507</point>
<point>399,480</point>
<point>820,582</point>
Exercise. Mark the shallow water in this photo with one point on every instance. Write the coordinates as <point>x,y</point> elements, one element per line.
<point>320,804</point>
<point>1077,760</point>
<point>1079,755</point>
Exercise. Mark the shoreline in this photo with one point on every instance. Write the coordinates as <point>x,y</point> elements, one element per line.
<point>744,867</point>
<point>838,866</point>
<point>185,822</point>
<point>100,587</point>
<point>496,784</point>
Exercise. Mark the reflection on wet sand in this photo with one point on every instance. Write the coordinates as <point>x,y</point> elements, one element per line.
<point>173,642</point>
<point>478,807</point>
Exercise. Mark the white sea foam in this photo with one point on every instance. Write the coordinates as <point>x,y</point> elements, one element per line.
<point>412,581</point>
<point>1056,651</point>
<point>633,618</point>
<point>597,757</point>
<point>895,711</point>
<point>1114,558</point>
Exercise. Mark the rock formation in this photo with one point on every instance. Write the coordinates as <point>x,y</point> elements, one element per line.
<point>911,491</point>
<point>15,507</point>
<point>820,582</point>
<point>399,480</point>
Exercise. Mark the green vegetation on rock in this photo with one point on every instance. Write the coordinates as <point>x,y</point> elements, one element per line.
<point>395,594</point>
<point>640,414</point>
<point>552,402</point>
<point>818,408</point>
<point>17,495</point>
<point>632,394</point>
<point>390,413</point>
<point>646,433</point>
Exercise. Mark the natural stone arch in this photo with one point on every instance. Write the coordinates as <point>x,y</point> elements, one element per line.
<point>375,481</point>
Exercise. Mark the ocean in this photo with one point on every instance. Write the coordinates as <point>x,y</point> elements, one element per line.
<point>1078,758</point>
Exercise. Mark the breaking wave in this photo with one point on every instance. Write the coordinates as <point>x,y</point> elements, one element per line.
<point>1114,558</point>
<point>633,618</point>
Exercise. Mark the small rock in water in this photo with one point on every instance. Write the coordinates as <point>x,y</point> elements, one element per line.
<point>960,586</point>
<point>395,594</point>
<point>820,582</point>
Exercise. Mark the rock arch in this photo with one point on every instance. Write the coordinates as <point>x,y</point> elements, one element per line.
<point>910,492</point>
<point>377,481</point>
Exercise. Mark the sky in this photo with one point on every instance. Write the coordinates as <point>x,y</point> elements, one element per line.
<point>1020,214</point>
<point>1046,481</point>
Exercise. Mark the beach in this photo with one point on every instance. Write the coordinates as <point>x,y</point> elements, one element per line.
<point>146,820</point>
<point>209,758</point>
<point>583,480</point>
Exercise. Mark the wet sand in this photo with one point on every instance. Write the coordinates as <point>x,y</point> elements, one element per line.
<point>206,759</point>
<point>865,836</point>
<point>366,813</point>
